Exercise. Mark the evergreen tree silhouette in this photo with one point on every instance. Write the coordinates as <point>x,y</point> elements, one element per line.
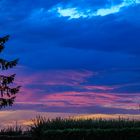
<point>7,92</point>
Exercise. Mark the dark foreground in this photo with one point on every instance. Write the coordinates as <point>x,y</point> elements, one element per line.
<point>69,129</point>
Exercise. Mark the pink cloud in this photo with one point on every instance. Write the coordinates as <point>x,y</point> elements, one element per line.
<point>81,99</point>
<point>72,78</point>
<point>56,77</point>
<point>104,88</point>
<point>108,88</point>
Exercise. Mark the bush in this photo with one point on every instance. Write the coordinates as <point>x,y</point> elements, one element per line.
<point>92,134</point>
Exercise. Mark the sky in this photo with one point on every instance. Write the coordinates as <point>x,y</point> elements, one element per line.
<point>78,56</point>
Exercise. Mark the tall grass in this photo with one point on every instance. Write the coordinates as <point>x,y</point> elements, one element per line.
<point>59,123</point>
<point>11,130</point>
<point>79,129</point>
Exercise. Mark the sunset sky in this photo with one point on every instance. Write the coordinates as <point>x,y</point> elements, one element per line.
<point>76,56</point>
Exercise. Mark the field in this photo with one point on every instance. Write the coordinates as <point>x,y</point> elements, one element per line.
<point>71,129</point>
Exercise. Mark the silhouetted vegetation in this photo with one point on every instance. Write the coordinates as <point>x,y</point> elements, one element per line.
<point>8,93</point>
<point>70,129</point>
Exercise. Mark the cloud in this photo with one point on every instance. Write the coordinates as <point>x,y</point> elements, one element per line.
<point>103,88</point>
<point>81,100</point>
<point>66,89</point>
<point>74,88</point>
<point>56,77</point>
<point>97,33</point>
<point>76,12</point>
<point>96,52</point>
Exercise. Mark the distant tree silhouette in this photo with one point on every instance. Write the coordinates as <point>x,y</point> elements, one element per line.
<point>7,91</point>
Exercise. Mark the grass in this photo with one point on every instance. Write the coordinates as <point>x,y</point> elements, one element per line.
<point>17,130</point>
<point>71,129</point>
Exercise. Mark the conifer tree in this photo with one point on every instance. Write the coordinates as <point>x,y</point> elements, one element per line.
<point>7,91</point>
